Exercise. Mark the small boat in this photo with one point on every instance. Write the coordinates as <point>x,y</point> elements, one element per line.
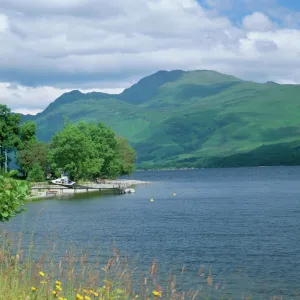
<point>129,191</point>
<point>64,181</point>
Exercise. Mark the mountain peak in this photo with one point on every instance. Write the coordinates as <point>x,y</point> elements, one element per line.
<point>148,87</point>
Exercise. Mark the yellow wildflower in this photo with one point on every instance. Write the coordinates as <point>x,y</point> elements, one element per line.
<point>57,282</point>
<point>156,293</point>
<point>59,288</point>
<point>54,293</point>
<point>43,282</point>
<point>42,274</point>
<point>79,297</point>
<point>87,298</point>
<point>34,289</point>
<point>95,294</point>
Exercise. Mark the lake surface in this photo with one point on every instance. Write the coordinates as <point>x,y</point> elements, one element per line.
<point>244,223</point>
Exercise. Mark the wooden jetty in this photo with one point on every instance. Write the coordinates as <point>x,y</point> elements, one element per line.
<point>118,188</point>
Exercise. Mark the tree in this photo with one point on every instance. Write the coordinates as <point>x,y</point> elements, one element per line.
<point>106,146</point>
<point>32,153</point>
<point>13,193</point>
<point>27,133</point>
<point>127,156</point>
<point>73,151</point>
<point>90,151</point>
<point>9,134</point>
<point>36,173</point>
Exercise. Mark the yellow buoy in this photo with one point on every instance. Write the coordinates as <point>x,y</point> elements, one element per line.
<point>174,194</point>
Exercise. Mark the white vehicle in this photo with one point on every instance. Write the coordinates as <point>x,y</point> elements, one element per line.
<point>64,181</point>
<point>127,190</point>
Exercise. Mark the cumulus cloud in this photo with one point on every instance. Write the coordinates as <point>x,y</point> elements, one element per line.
<point>265,46</point>
<point>30,100</point>
<point>257,22</point>
<point>48,47</point>
<point>3,23</point>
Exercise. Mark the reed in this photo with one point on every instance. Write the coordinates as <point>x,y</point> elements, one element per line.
<point>74,277</point>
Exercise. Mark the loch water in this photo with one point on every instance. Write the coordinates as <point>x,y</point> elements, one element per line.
<point>243,223</point>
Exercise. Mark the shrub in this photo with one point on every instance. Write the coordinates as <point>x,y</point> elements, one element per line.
<point>36,173</point>
<point>13,194</point>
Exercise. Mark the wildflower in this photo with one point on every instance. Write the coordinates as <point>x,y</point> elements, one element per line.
<point>59,288</point>
<point>95,294</point>
<point>79,297</point>
<point>43,282</point>
<point>54,293</point>
<point>34,289</point>
<point>156,293</point>
<point>57,282</point>
<point>42,274</point>
<point>87,298</point>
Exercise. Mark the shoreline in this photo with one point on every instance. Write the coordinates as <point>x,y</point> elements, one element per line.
<point>42,192</point>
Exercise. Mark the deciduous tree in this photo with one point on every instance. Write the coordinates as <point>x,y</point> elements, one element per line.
<point>9,134</point>
<point>90,151</point>
<point>127,156</point>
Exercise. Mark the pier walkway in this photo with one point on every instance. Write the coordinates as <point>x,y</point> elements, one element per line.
<point>114,187</point>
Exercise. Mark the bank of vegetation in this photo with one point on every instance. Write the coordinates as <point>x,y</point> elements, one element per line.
<point>82,151</point>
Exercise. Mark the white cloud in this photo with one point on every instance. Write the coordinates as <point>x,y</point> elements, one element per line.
<point>53,46</point>
<point>257,22</point>
<point>29,100</point>
<point>3,23</point>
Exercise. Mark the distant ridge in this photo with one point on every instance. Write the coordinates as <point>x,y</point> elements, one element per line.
<point>191,119</point>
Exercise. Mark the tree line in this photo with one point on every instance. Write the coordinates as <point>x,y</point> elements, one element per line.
<point>82,151</point>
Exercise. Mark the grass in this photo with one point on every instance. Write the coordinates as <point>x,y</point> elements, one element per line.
<point>72,277</point>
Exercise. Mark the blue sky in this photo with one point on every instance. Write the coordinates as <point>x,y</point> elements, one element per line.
<point>51,47</point>
<point>235,10</point>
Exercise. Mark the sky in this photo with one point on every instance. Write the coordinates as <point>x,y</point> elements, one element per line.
<point>54,46</point>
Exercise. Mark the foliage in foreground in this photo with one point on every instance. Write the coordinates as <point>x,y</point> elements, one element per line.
<point>73,278</point>
<point>13,194</point>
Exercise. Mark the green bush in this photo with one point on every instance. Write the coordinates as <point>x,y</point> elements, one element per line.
<point>13,194</point>
<point>36,173</point>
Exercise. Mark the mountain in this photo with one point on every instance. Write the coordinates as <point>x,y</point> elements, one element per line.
<point>194,119</point>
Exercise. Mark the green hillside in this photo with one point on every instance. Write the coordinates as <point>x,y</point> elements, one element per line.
<point>194,119</point>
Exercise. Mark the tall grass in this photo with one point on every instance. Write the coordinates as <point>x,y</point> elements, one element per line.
<point>73,277</point>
